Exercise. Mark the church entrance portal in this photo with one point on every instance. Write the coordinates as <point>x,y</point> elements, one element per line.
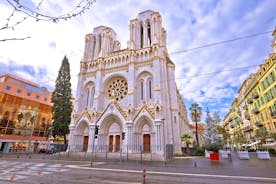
<point>146,143</point>
<point>117,143</point>
<point>111,143</point>
<point>85,143</point>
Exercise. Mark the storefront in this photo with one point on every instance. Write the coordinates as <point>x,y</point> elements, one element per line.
<point>19,144</point>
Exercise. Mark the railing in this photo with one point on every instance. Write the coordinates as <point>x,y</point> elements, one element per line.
<point>259,124</point>
<point>249,100</point>
<point>247,128</point>
<point>273,114</point>
<point>255,95</point>
<point>255,111</point>
<point>247,116</point>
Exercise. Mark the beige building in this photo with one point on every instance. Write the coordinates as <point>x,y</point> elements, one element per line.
<point>128,97</point>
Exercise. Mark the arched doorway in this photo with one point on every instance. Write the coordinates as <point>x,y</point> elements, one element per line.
<point>110,134</point>
<point>117,143</point>
<point>110,143</point>
<point>146,143</point>
<point>114,137</point>
<point>144,136</point>
<point>85,143</point>
<point>82,136</point>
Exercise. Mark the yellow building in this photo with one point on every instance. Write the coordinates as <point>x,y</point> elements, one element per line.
<point>253,114</point>
<point>25,114</point>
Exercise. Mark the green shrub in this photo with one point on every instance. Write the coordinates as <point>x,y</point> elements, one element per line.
<point>199,152</point>
<point>213,147</point>
<point>271,150</point>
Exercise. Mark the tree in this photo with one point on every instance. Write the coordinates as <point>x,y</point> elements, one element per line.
<point>196,117</point>
<point>186,138</point>
<point>210,129</point>
<point>216,118</point>
<point>34,10</point>
<point>62,104</point>
<point>261,134</point>
<point>224,133</point>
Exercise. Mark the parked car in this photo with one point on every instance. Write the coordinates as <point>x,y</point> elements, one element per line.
<point>42,147</point>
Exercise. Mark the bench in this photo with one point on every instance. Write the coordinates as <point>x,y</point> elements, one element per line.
<point>243,155</point>
<point>224,153</point>
<point>263,155</point>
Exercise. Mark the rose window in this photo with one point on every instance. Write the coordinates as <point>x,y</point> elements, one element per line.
<point>116,88</point>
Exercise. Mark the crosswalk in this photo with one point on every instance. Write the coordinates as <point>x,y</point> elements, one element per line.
<point>12,170</point>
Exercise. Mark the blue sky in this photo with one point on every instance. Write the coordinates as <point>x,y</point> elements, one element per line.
<point>188,23</point>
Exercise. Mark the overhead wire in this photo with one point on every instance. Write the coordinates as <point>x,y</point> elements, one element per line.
<point>221,42</point>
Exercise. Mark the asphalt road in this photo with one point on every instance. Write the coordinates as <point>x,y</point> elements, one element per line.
<point>181,170</point>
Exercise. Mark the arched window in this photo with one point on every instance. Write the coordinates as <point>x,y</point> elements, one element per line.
<point>149,33</point>
<point>142,89</point>
<point>150,88</point>
<point>87,97</point>
<point>141,35</point>
<point>92,96</point>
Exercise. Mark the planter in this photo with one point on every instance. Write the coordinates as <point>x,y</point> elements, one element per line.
<point>214,156</point>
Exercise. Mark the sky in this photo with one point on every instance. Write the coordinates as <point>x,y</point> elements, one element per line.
<point>210,76</point>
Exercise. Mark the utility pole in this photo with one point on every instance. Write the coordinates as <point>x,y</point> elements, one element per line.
<point>33,123</point>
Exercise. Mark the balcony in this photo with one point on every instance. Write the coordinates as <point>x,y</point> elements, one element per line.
<point>247,116</point>
<point>255,111</point>
<point>250,100</point>
<point>248,128</point>
<point>230,119</point>
<point>258,124</point>
<point>255,95</point>
<point>239,113</point>
<point>273,114</point>
<point>245,108</point>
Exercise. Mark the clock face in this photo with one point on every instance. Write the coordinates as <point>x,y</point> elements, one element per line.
<point>116,88</point>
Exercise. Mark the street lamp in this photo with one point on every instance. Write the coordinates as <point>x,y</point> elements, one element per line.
<point>33,120</point>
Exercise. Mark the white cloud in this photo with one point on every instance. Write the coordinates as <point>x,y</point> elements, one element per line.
<point>188,23</point>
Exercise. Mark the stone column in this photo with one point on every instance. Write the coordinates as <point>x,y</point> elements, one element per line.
<point>159,135</point>
<point>71,144</point>
<point>129,136</point>
<point>91,141</point>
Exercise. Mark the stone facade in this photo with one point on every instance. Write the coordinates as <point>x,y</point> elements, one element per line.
<point>128,97</point>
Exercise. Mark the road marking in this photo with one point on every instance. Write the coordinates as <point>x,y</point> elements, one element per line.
<point>11,171</point>
<point>176,174</point>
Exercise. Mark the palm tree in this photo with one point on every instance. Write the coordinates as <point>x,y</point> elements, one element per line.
<point>196,116</point>
<point>186,138</point>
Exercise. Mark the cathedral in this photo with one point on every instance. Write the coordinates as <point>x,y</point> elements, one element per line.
<point>127,99</point>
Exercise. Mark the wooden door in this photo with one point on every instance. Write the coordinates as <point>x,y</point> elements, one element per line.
<point>146,143</point>
<point>111,143</point>
<point>117,143</point>
<point>85,143</point>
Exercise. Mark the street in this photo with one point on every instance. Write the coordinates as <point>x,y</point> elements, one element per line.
<point>195,170</point>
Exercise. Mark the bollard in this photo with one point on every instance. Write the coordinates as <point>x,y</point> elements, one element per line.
<point>195,164</point>
<point>230,157</point>
<point>144,176</point>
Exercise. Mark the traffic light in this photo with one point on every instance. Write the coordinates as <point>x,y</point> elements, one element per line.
<point>123,135</point>
<point>96,131</point>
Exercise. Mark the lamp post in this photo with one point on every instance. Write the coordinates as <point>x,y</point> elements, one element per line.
<point>33,120</point>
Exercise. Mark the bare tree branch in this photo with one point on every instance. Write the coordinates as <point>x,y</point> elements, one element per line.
<point>34,13</point>
<point>10,39</point>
